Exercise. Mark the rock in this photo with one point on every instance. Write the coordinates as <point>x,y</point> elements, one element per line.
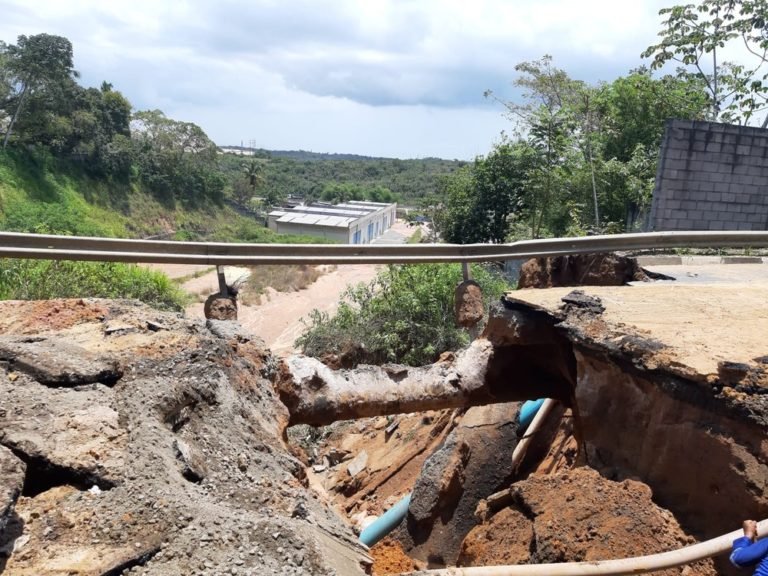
<point>473,463</point>
<point>469,308</point>
<point>11,483</point>
<point>193,466</point>
<point>357,464</point>
<point>218,307</point>
<point>581,302</point>
<point>73,435</point>
<point>189,401</point>
<point>54,362</point>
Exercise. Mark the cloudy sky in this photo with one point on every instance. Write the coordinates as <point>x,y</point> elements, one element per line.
<point>400,78</point>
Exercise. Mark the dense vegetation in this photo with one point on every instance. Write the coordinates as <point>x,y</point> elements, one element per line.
<point>334,177</point>
<point>80,161</point>
<point>405,315</point>
<point>582,157</point>
<point>45,279</point>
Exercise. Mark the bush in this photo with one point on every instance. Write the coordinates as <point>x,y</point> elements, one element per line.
<point>45,279</point>
<point>405,315</point>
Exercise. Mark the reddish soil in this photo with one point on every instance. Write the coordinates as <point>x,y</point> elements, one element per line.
<point>573,516</point>
<point>389,559</point>
<point>48,315</point>
<point>580,270</point>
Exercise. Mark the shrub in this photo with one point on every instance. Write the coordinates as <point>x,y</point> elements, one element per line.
<point>404,315</point>
<point>45,279</point>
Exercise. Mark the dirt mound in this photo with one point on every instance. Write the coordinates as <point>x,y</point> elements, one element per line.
<point>390,560</point>
<point>577,516</point>
<point>150,443</point>
<point>580,270</point>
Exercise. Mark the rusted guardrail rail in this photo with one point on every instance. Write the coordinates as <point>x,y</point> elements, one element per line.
<point>41,246</point>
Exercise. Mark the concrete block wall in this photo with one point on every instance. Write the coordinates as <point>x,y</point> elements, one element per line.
<point>711,177</point>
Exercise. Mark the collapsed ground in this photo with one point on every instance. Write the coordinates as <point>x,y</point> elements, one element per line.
<point>140,442</point>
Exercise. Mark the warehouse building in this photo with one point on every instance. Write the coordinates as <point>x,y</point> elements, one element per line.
<point>353,222</point>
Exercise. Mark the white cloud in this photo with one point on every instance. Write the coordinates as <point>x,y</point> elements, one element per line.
<point>385,77</point>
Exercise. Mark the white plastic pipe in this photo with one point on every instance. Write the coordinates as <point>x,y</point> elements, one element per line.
<point>538,420</point>
<point>637,565</point>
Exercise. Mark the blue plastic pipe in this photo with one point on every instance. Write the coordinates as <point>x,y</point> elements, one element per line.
<point>392,517</point>
<point>386,523</point>
<point>527,411</point>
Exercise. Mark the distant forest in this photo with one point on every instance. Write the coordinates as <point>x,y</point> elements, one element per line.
<point>336,177</point>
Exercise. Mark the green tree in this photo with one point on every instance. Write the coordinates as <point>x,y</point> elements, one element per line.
<point>176,159</point>
<point>696,35</point>
<point>253,180</point>
<point>480,199</point>
<point>36,63</point>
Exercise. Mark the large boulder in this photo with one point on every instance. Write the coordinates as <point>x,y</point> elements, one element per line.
<point>474,462</point>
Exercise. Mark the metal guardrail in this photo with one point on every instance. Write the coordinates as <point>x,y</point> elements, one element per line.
<point>41,246</point>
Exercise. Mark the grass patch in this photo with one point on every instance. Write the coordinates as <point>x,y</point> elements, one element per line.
<point>46,279</point>
<point>283,278</point>
<point>415,238</point>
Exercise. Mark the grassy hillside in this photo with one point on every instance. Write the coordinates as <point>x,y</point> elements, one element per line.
<point>40,193</point>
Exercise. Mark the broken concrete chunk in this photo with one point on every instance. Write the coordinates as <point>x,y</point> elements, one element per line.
<point>578,300</point>
<point>192,462</point>
<point>65,436</point>
<point>358,464</point>
<point>55,362</point>
<point>11,483</point>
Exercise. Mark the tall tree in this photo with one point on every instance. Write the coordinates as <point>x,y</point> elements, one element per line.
<point>480,199</point>
<point>36,63</point>
<point>696,35</point>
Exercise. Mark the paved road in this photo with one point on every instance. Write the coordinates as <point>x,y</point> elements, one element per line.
<point>707,274</point>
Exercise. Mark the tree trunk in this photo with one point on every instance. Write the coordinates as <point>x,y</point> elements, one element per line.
<point>594,188</point>
<point>14,117</point>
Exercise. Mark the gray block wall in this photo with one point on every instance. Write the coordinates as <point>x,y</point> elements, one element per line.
<point>711,177</point>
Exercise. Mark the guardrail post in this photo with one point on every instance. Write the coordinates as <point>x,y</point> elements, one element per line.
<point>223,288</point>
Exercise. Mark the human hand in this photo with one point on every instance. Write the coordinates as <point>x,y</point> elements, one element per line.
<point>750,529</point>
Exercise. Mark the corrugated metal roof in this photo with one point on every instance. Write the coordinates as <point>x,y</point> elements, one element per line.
<point>336,216</point>
<point>317,220</point>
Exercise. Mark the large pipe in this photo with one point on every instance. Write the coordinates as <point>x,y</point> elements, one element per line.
<point>538,420</point>
<point>528,412</point>
<point>636,565</point>
<point>386,523</point>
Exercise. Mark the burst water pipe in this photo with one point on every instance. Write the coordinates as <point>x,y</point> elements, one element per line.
<point>534,412</point>
<point>636,565</point>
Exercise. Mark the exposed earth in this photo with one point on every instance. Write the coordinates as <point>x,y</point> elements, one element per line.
<point>139,442</point>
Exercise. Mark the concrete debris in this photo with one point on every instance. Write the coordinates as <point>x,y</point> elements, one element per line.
<point>179,468</point>
<point>11,483</point>
<point>357,464</point>
<point>55,362</point>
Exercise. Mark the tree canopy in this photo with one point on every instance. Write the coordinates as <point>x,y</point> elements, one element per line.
<point>696,36</point>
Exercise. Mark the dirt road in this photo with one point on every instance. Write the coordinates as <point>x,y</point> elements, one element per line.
<point>278,318</point>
